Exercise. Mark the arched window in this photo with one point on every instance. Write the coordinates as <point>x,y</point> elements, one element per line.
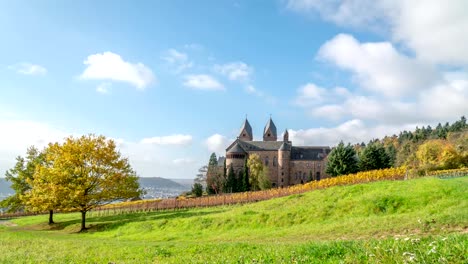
<point>275,160</point>
<point>266,161</point>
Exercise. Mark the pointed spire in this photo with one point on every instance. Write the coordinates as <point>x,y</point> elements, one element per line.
<point>269,133</point>
<point>286,135</point>
<point>246,131</point>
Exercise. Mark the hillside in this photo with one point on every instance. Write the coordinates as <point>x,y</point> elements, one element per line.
<point>157,187</point>
<point>389,221</point>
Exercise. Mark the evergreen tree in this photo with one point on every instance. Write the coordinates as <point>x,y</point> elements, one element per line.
<point>230,181</point>
<point>373,157</point>
<point>245,178</point>
<point>342,160</point>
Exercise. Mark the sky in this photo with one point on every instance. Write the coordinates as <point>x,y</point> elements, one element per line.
<point>172,81</point>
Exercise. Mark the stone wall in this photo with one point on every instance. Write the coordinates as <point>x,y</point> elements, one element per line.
<point>302,170</point>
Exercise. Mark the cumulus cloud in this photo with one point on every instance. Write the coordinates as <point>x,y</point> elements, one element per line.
<point>217,143</point>
<point>27,68</point>
<point>179,60</point>
<point>202,82</point>
<point>354,131</point>
<point>355,13</point>
<point>178,139</point>
<point>439,102</point>
<point>235,71</point>
<point>436,31</point>
<point>111,66</point>
<point>378,66</point>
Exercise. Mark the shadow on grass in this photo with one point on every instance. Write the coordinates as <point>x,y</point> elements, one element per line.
<point>106,223</point>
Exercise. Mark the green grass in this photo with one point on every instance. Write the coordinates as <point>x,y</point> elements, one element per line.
<point>423,220</point>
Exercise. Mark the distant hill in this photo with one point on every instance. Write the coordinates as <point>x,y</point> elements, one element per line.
<point>187,183</point>
<point>155,187</point>
<point>161,183</point>
<point>4,188</point>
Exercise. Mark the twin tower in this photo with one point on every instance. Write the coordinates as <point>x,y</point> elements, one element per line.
<point>269,132</point>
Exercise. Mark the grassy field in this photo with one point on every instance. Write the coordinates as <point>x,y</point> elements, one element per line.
<point>420,221</point>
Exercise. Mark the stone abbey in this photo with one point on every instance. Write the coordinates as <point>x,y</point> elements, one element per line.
<point>287,164</point>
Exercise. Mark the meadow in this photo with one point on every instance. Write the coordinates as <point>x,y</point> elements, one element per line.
<point>421,220</point>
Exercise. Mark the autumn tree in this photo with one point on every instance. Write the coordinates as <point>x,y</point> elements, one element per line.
<point>258,174</point>
<point>437,154</point>
<point>19,175</point>
<point>342,160</point>
<point>85,172</point>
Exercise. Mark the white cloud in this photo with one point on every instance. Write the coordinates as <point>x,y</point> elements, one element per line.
<point>310,94</point>
<point>442,101</point>
<point>178,59</point>
<point>354,13</point>
<point>178,139</point>
<point>202,82</point>
<point>103,88</point>
<point>110,66</point>
<point>378,67</point>
<point>437,31</point>
<point>217,143</point>
<point>353,131</point>
<point>27,68</point>
<point>235,71</point>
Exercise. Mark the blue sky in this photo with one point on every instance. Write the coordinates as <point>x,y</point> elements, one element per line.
<point>172,81</point>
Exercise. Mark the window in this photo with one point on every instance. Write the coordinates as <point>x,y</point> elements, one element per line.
<point>274,161</point>
<point>266,161</point>
<point>282,173</point>
<point>282,180</point>
<point>268,134</point>
<point>243,135</point>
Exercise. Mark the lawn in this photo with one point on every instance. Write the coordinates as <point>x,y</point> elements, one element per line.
<point>422,220</point>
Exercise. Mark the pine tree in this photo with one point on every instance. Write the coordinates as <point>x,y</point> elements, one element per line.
<point>245,178</point>
<point>373,157</point>
<point>342,160</point>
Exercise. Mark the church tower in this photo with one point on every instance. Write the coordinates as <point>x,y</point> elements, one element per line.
<point>246,131</point>
<point>269,133</point>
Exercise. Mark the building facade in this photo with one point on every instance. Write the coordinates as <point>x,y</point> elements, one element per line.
<point>287,164</point>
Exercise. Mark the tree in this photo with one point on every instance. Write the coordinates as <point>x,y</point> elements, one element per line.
<point>197,189</point>
<point>19,175</point>
<point>258,174</point>
<point>245,178</point>
<point>201,176</point>
<point>373,157</point>
<point>437,154</point>
<point>84,172</point>
<point>264,180</point>
<point>342,160</point>
<point>230,185</point>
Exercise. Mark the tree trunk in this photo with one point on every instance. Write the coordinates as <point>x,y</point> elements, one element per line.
<point>51,217</point>
<point>83,221</point>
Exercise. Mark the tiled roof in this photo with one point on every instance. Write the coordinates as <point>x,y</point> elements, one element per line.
<point>309,153</point>
<point>260,145</point>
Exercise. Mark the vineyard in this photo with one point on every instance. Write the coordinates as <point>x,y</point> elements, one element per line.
<point>249,197</point>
